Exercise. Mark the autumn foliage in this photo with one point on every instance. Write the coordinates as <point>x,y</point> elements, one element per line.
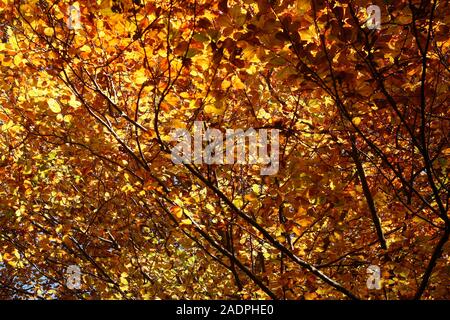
<point>86,178</point>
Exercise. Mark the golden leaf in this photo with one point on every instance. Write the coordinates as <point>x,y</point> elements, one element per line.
<point>54,105</point>
<point>356,120</point>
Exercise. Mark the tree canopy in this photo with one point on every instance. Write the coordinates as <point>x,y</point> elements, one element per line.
<point>90,92</point>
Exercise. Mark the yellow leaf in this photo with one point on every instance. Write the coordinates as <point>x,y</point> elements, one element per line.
<point>140,76</point>
<point>172,99</point>
<point>176,123</point>
<point>177,211</point>
<point>217,109</point>
<point>303,6</point>
<point>332,185</point>
<point>59,228</point>
<point>85,48</point>
<point>310,295</point>
<point>28,169</point>
<point>356,121</point>
<point>301,211</point>
<point>105,7</point>
<point>48,31</point>
<point>237,83</point>
<point>296,230</point>
<point>73,102</point>
<point>416,219</point>
<point>225,84</point>
<point>7,257</point>
<point>54,105</point>
<point>304,222</point>
<point>238,202</point>
<point>308,34</point>
<point>256,188</point>
<point>337,235</point>
<point>6,62</point>
<point>213,110</point>
<point>186,221</point>
<point>17,59</point>
<point>123,280</point>
<point>20,211</point>
<point>249,54</point>
<point>68,118</point>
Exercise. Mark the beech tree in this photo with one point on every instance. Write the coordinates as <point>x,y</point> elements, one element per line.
<point>92,90</point>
